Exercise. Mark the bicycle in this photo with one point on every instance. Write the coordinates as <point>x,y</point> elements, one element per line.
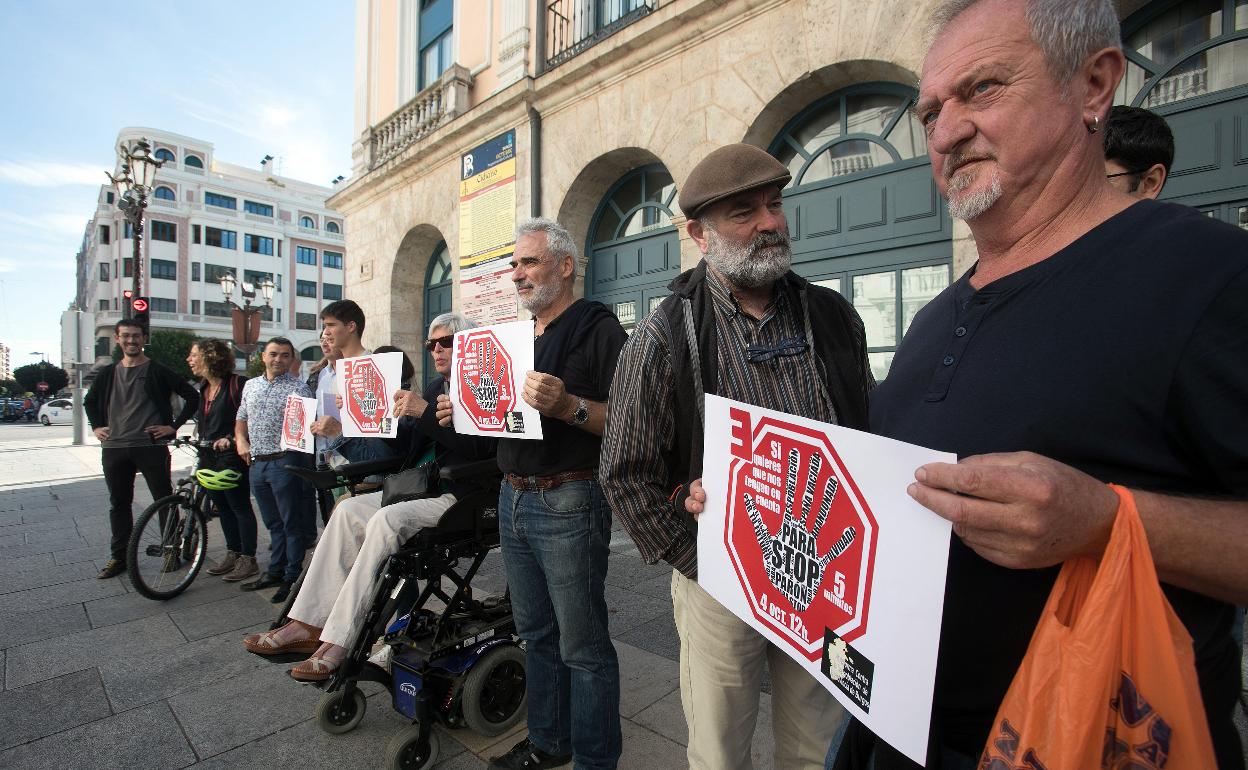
<point>169,543</point>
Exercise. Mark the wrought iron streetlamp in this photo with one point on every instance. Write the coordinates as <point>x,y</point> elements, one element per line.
<point>246,319</point>
<point>136,172</point>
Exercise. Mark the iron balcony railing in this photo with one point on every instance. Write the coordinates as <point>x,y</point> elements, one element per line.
<point>572,26</point>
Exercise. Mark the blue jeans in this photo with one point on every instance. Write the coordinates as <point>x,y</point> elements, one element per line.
<point>286,507</point>
<point>238,520</point>
<point>555,546</point>
<point>362,449</point>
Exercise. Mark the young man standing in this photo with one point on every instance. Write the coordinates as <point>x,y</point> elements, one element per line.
<point>285,500</point>
<point>130,410</point>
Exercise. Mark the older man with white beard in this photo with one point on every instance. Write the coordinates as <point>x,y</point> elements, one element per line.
<point>743,326</point>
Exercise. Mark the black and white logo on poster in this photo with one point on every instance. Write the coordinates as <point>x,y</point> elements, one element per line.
<point>848,669</point>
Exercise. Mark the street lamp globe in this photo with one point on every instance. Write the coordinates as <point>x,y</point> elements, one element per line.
<point>143,163</point>
<point>266,289</point>
<point>227,285</point>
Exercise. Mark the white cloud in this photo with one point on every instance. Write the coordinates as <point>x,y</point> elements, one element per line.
<point>50,174</point>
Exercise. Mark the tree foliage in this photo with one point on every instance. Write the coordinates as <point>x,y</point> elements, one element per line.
<point>30,375</point>
<point>170,348</point>
<point>10,388</point>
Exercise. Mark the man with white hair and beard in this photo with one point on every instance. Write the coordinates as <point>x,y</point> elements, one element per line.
<point>743,326</point>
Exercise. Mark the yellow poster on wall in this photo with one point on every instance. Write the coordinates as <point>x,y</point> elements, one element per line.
<point>487,227</point>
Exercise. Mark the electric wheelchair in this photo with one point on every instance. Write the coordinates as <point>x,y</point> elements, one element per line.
<point>450,656</point>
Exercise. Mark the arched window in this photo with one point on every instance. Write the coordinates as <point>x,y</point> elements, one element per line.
<point>437,298</point>
<point>164,193</point>
<point>1187,50</point>
<point>165,155</point>
<point>307,222</point>
<point>332,227</point>
<point>853,131</point>
<point>310,353</point>
<point>193,161</point>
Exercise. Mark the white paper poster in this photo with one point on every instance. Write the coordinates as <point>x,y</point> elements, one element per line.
<point>809,536</point>
<point>297,419</point>
<point>488,367</point>
<point>367,385</point>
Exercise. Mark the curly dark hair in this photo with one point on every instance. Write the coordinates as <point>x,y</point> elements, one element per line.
<point>218,357</point>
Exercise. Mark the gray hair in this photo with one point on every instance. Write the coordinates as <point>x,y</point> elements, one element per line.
<point>452,322</point>
<point>1067,31</point>
<point>558,240</point>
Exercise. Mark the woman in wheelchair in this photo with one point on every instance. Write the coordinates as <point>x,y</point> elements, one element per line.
<point>361,534</point>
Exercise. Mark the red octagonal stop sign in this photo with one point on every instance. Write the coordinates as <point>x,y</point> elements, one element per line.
<point>487,389</point>
<point>800,536</point>
<point>365,395</point>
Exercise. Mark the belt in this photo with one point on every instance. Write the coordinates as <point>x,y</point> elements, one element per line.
<point>540,483</point>
<point>274,456</point>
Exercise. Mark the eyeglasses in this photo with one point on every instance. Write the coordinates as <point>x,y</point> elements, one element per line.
<point>1122,173</point>
<point>793,346</point>
<point>445,342</point>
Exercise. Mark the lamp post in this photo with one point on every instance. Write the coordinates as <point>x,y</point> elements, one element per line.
<point>136,171</point>
<point>246,319</point>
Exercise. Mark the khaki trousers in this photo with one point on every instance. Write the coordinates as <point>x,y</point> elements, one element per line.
<point>721,671</point>
<point>342,577</point>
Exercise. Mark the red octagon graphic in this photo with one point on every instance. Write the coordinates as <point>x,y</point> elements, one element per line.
<point>365,396</point>
<point>799,534</point>
<point>294,419</point>
<point>487,389</point>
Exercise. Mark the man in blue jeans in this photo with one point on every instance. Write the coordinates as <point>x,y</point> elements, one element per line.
<point>554,522</point>
<point>284,499</point>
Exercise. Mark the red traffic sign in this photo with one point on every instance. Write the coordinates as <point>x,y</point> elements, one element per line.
<point>487,389</point>
<point>43,387</point>
<point>800,536</point>
<point>139,305</point>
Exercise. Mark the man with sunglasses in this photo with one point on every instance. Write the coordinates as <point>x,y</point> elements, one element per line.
<point>1139,148</point>
<point>741,325</point>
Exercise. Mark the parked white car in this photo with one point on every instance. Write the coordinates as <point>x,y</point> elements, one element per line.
<point>58,411</point>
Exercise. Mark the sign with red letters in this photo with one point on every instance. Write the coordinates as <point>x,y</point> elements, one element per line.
<point>297,419</point>
<point>488,369</point>
<point>367,385</point>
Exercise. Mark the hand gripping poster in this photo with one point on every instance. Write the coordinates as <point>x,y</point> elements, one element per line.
<point>488,367</point>
<point>809,536</point>
<point>367,385</point>
<point>297,419</point>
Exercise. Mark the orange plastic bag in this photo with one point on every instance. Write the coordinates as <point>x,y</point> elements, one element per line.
<point>1109,679</point>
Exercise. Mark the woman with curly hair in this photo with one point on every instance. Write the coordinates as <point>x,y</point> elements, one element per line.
<point>219,394</point>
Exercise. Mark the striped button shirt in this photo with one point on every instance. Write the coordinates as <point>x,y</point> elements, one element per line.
<point>641,426</point>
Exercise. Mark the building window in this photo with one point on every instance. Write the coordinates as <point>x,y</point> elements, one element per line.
<point>279,315</point>
<point>103,304</point>
<point>164,305</point>
<point>194,271</point>
<point>435,58</point>
<point>103,345</point>
<point>109,197</point>
<point>305,320</point>
<point>164,193</point>
<point>305,289</point>
<point>105,234</point>
<point>262,209</point>
<point>125,267</point>
<point>256,277</point>
<point>163,268</point>
<point>332,227</point>
<point>257,244</point>
<point>222,201</point>
<point>194,307</point>
<point>216,309</point>
<point>333,259</point>
<point>195,238</point>
<point>164,155</point>
<point>193,161</point>
<point>305,255</point>
<point>225,239</point>
<point>129,232</point>
<point>213,273</point>
<point>307,222</point>
<point>104,272</point>
<point>331,291</point>
<point>164,231</point>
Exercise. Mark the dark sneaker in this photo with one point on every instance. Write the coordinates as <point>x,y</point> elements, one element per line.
<point>266,581</point>
<point>226,565</point>
<point>112,568</point>
<point>525,756</point>
<point>281,593</point>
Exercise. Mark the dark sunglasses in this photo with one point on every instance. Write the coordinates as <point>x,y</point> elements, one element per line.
<point>793,346</point>
<point>445,342</point>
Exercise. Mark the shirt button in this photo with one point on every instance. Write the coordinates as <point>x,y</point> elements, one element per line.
<point>948,361</point>
<point>960,331</point>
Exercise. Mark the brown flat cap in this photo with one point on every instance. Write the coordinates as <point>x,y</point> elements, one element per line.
<point>727,171</point>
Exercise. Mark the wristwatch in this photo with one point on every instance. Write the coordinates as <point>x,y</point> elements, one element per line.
<point>581,415</point>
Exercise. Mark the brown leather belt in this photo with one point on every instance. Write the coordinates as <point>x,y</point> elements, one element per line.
<point>540,483</point>
<point>261,458</point>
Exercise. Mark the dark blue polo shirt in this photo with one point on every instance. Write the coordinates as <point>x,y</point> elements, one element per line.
<point>1124,355</point>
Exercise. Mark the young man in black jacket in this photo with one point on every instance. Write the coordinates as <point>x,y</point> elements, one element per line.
<point>130,409</point>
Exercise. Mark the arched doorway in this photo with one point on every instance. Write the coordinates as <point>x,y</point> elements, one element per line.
<point>634,251</point>
<point>1188,62</point>
<point>437,298</point>
<point>864,214</point>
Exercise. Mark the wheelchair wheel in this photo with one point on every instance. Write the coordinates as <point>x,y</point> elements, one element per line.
<point>167,548</point>
<point>339,713</point>
<point>493,697</point>
<point>404,751</point>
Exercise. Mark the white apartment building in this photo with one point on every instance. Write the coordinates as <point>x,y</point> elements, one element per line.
<point>206,218</point>
<point>6,368</point>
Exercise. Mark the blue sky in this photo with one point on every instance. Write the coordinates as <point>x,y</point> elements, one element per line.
<point>254,78</point>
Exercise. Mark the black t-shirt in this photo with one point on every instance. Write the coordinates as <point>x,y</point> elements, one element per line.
<point>586,370</point>
<point>1124,355</point>
<point>218,422</point>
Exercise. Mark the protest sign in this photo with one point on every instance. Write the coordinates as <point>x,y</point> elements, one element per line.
<point>297,419</point>
<point>809,536</point>
<point>367,385</point>
<point>488,367</point>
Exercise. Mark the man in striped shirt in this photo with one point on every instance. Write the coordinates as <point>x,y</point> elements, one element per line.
<point>743,326</point>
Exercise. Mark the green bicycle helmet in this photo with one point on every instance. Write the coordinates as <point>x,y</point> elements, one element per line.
<point>218,481</point>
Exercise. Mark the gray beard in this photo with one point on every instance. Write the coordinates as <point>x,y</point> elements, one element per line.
<point>540,299</point>
<point>752,265</point>
<point>970,206</point>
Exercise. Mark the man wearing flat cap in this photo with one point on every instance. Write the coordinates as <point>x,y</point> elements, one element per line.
<point>743,326</point>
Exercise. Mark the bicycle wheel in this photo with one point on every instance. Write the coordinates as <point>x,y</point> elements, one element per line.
<point>167,548</point>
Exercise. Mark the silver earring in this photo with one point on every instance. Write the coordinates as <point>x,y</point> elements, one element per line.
<point>1096,124</point>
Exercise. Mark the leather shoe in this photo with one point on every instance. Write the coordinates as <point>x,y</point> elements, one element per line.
<point>266,581</point>
<point>112,568</point>
<point>526,756</point>
<point>281,593</point>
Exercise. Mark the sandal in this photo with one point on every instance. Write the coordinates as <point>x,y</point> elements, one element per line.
<point>320,666</point>
<point>269,643</point>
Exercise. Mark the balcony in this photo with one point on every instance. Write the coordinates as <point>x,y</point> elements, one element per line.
<point>431,108</point>
<point>573,26</point>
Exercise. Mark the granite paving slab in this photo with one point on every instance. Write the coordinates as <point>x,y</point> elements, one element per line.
<point>47,597</point>
<point>657,635</point>
<point>627,570</point>
<point>59,655</point>
<point>42,624</point>
<point>86,553</point>
<point>121,608</point>
<point>646,749</point>
<point>236,612</point>
<point>645,678</point>
<point>51,706</point>
<point>48,576</point>
<point>148,738</point>
<point>17,566</point>
<point>627,610</point>
<point>667,718</point>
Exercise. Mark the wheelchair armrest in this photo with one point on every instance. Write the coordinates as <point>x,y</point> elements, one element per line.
<point>469,471</point>
<point>357,471</point>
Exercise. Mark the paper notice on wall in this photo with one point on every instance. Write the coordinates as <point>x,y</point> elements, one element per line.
<point>809,536</point>
<point>488,367</point>
<point>297,419</point>
<point>367,385</point>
